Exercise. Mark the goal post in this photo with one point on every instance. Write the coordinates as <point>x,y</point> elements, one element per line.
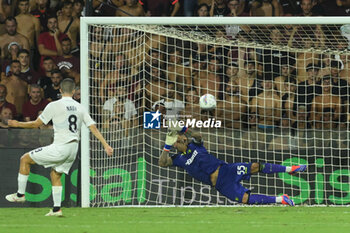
<point>131,66</point>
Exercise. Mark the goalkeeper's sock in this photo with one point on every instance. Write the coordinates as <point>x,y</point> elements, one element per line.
<point>22,184</point>
<point>56,195</point>
<point>269,168</point>
<point>261,199</point>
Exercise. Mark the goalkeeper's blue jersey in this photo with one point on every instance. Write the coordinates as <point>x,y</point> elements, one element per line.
<point>197,162</point>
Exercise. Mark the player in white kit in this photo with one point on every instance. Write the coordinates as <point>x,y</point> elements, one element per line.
<point>67,116</point>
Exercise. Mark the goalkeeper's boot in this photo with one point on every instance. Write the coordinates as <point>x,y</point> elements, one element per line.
<point>57,213</point>
<point>296,169</point>
<point>14,198</point>
<point>287,201</point>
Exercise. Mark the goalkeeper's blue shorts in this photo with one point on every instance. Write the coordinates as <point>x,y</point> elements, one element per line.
<point>229,180</point>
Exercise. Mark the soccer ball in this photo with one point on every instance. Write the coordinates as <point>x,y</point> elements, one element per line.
<point>207,102</point>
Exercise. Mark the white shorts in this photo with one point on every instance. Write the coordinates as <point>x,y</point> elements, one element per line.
<point>59,157</point>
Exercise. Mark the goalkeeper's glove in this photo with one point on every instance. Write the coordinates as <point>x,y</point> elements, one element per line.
<point>170,140</point>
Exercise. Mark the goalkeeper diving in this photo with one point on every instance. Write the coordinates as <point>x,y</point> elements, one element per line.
<point>225,177</point>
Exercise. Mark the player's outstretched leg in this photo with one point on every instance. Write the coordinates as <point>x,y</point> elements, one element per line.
<point>296,169</point>
<point>254,199</point>
<point>24,169</point>
<point>56,194</point>
<point>269,168</point>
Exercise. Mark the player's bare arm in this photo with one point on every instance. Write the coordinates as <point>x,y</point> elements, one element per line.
<point>170,140</point>
<point>98,135</point>
<point>165,160</point>
<point>28,125</point>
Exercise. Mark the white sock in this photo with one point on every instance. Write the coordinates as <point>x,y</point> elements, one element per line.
<point>22,183</point>
<point>288,169</point>
<point>57,195</point>
<point>279,199</point>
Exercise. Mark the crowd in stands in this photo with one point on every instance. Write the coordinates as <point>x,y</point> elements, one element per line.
<point>256,88</point>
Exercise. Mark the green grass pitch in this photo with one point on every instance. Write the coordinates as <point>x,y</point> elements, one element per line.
<point>180,220</point>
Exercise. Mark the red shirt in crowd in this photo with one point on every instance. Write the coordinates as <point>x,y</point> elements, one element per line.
<point>49,43</point>
<point>71,63</point>
<point>31,111</point>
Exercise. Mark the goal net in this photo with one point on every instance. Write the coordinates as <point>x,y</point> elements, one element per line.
<point>282,92</point>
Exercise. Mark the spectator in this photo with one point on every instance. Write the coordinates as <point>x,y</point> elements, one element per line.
<point>326,108</point>
<point>272,59</point>
<point>155,88</point>
<point>67,63</point>
<point>52,92</point>
<point>325,64</point>
<point>339,86</point>
<point>97,46</point>
<point>302,118</point>
<point>78,7</point>
<point>4,10</point>
<point>121,95</point>
<point>131,8</point>
<point>267,106</point>
<point>231,72</point>
<point>307,90</point>
<point>189,7</point>
<point>13,49</point>
<point>42,12</point>
<point>49,42</point>
<point>232,109</point>
<point>304,57</point>
<point>249,84</point>
<point>49,65</point>
<point>106,8</point>
<point>27,74</point>
<point>265,8</point>
<point>306,7</point>
<point>236,8</point>
<point>298,136</point>
<point>28,25</point>
<point>173,107</point>
<point>345,72</point>
<point>5,115</point>
<point>155,57</point>
<point>120,73</point>
<point>161,7</point>
<point>36,104</point>
<point>288,97</point>
<point>192,109</point>
<point>177,72</point>
<point>16,87</point>
<point>311,8</point>
<point>219,8</point>
<point>209,81</point>
<point>289,8</point>
<point>336,8</point>
<point>202,10</point>
<point>119,111</point>
<point>4,103</point>
<point>68,25</point>
<point>286,74</point>
<point>76,95</point>
<point>12,36</point>
<point>198,64</point>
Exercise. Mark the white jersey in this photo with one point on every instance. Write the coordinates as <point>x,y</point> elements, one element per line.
<point>67,115</point>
